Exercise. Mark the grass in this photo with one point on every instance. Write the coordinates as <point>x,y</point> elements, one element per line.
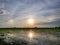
<point>41,29</point>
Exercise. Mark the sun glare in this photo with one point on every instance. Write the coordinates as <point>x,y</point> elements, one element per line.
<point>30,35</point>
<point>30,21</point>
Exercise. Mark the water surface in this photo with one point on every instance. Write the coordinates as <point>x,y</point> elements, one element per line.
<point>29,37</point>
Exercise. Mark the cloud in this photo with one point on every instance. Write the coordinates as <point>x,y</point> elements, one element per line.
<point>50,18</point>
<point>44,12</point>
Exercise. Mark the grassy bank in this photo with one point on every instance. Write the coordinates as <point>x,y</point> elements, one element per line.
<point>48,29</point>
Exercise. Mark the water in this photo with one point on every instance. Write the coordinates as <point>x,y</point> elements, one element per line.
<point>29,37</point>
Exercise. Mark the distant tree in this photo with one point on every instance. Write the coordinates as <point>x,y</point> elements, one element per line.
<point>35,27</point>
<point>59,26</point>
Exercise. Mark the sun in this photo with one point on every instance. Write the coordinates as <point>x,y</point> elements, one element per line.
<point>30,21</point>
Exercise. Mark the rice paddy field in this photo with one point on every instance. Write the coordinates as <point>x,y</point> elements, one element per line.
<point>29,36</point>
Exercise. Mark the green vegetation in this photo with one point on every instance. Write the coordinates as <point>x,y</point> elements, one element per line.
<point>41,29</point>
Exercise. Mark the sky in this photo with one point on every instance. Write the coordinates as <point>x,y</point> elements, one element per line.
<point>15,13</point>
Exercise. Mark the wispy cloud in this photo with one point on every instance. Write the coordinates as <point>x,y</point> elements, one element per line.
<point>42,11</point>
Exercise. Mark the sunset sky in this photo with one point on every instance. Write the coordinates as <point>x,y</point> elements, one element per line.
<point>29,13</point>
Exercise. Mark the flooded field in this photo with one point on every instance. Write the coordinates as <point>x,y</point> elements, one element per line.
<point>29,37</point>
